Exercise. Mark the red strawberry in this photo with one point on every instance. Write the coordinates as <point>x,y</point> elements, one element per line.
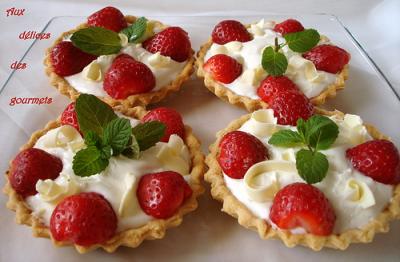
<point>289,106</point>
<point>328,58</point>
<point>230,30</point>
<point>170,117</point>
<point>271,86</point>
<point>109,18</point>
<point>29,166</point>
<point>223,68</point>
<point>84,219</point>
<point>238,151</point>
<point>161,194</point>
<point>68,117</point>
<point>67,59</point>
<point>126,77</point>
<point>303,205</point>
<point>288,26</point>
<point>378,159</point>
<point>172,41</point>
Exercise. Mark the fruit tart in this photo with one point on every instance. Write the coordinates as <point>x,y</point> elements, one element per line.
<point>124,60</point>
<point>98,178</point>
<point>327,181</point>
<point>237,60</point>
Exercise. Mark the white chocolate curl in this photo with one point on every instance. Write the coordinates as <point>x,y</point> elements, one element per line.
<point>52,192</point>
<point>129,205</point>
<point>298,64</point>
<point>360,193</point>
<point>170,155</point>
<point>65,136</point>
<point>263,123</point>
<point>93,72</point>
<point>261,180</point>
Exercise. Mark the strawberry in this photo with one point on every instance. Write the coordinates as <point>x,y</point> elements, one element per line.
<point>288,26</point>
<point>126,77</point>
<point>303,205</point>
<point>170,117</point>
<point>328,58</point>
<point>109,18</point>
<point>172,41</point>
<point>69,117</point>
<point>29,166</point>
<point>238,151</point>
<point>230,30</point>
<point>161,194</point>
<point>223,68</point>
<point>271,86</point>
<point>289,106</point>
<point>67,59</point>
<point>378,159</point>
<point>84,219</point>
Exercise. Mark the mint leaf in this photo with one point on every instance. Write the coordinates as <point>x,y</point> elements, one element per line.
<point>135,31</point>
<point>274,62</point>
<point>117,134</point>
<point>93,114</point>
<point>302,41</point>
<point>286,138</point>
<point>106,151</point>
<point>92,139</point>
<point>97,41</point>
<point>133,149</point>
<point>148,134</point>
<point>321,132</point>
<point>89,161</point>
<point>301,128</point>
<point>312,167</point>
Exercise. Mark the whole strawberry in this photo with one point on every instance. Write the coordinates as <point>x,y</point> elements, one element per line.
<point>170,117</point>
<point>67,59</point>
<point>29,166</point>
<point>328,58</point>
<point>303,205</point>
<point>289,106</point>
<point>272,86</point>
<point>223,68</point>
<point>126,77</point>
<point>172,41</point>
<point>288,26</point>
<point>230,30</point>
<point>84,219</point>
<point>69,117</point>
<point>238,151</point>
<point>160,195</point>
<point>109,18</point>
<point>378,159</point>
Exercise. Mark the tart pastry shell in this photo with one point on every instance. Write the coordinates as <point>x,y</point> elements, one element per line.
<point>248,103</point>
<point>154,229</point>
<point>246,218</point>
<point>143,99</point>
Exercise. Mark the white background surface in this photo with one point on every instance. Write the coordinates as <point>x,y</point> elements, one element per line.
<point>374,23</point>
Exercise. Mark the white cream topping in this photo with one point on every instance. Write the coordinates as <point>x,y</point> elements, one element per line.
<point>355,198</point>
<point>164,68</point>
<point>117,183</point>
<point>301,71</point>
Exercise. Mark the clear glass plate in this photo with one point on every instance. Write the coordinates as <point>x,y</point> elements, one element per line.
<point>206,234</point>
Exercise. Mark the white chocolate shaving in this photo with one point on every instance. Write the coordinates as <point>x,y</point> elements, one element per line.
<point>158,61</point>
<point>129,205</point>
<point>53,192</point>
<point>360,193</point>
<point>65,136</point>
<point>93,72</point>
<point>170,155</point>
<point>262,123</point>
<point>234,46</point>
<point>124,39</point>
<point>299,64</point>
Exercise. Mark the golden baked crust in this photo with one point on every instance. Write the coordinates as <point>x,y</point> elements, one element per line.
<point>254,104</point>
<point>154,229</point>
<point>246,218</point>
<point>140,99</point>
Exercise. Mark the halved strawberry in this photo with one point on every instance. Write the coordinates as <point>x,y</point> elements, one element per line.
<point>230,30</point>
<point>223,68</point>
<point>288,26</point>
<point>69,117</point>
<point>272,86</point>
<point>303,205</point>
<point>328,58</point>
<point>109,18</point>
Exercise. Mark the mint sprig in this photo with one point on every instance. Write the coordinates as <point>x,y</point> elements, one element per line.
<point>108,135</point>
<point>275,63</point>
<point>97,41</point>
<point>135,31</point>
<point>317,133</point>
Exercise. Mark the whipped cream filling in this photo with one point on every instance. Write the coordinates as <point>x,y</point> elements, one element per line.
<point>301,71</point>
<point>117,183</point>
<point>164,68</point>
<point>355,198</point>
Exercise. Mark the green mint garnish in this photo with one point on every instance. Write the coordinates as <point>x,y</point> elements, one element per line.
<point>317,133</point>
<point>97,41</point>
<point>135,31</point>
<point>275,62</point>
<point>107,135</point>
